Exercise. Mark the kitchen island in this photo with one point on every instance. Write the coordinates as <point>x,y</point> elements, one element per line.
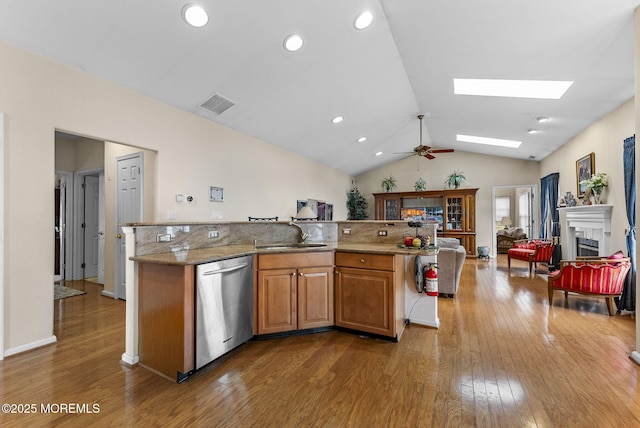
<point>356,286</point>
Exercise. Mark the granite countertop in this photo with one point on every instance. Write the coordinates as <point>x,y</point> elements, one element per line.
<point>212,254</point>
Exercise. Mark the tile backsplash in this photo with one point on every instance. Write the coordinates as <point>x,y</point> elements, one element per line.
<point>174,237</point>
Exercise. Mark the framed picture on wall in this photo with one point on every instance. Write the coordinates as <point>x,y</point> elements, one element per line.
<point>585,167</point>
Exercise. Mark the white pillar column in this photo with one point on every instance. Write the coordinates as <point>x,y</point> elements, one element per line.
<point>130,356</point>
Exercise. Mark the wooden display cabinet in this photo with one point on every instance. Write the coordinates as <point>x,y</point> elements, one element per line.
<point>459,211</point>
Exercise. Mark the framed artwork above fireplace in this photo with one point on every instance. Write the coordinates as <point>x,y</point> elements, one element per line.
<point>585,167</point>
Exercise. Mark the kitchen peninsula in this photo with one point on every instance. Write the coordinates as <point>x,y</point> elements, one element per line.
<point>351,275</point>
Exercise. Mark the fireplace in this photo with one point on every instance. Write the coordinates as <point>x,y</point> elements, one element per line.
<point>586,247</point>
<point>592,223</point>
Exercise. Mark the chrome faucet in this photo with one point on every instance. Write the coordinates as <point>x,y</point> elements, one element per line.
<point>303,235</point>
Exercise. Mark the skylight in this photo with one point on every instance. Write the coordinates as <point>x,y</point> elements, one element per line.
<point>490,141</point>
<point>542,89</point>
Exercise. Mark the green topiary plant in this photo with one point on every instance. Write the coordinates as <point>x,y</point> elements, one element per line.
<point>356,205</point>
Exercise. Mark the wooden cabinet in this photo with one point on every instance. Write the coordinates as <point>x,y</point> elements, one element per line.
<point>388,206</point>
<point>370,293</point>
<point>166,319</point>
<point>295,291</point>
<point>458,207</point>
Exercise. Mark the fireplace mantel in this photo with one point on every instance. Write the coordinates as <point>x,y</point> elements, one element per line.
<point>596,219</point>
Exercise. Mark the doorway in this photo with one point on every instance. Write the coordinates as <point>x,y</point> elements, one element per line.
<point>88,249</point>
<point>515,206</point>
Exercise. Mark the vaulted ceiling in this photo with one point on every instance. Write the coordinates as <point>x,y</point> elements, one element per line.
<point>379,79</point>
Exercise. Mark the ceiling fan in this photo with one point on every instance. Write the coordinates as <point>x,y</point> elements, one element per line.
<point>425,151</point>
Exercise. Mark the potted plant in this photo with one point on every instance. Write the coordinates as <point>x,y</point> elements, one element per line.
<point>356,205</point>
<point>389,183</point>
<point>596,184</point>
<point>455,179</point>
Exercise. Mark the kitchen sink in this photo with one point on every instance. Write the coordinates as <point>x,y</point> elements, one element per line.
<point>286,246</point>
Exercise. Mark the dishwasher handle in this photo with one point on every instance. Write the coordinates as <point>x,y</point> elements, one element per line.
<point>225,270</point>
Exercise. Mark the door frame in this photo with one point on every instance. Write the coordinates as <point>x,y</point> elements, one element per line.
<point>78,217</point>
<point>66,214</point>
<point>535,212</point>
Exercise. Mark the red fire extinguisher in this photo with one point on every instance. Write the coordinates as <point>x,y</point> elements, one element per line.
<point>431,279</point>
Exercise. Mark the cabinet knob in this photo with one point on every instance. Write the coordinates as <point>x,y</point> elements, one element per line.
<point>118,236</point>
<point>361,260</point>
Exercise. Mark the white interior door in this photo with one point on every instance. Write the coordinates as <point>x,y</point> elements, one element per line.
<point>128,210</point>
<point>91,225</point>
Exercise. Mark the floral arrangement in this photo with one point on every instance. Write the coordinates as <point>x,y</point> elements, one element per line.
<point>597,182</point>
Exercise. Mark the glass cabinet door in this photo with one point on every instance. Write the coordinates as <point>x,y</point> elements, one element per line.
<point>391,209</point>
<point>454,213</point>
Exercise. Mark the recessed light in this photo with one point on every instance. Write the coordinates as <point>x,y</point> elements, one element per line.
<point>533,131</point>
<point>378,153</point>
<point>361,139</point>
<point>194,15</point>
<point>293,42</point>
<point>363,20</point>
<point>542,119</point>
<point>489,141</point>
<point>541,89</point>
<point>337,119</point>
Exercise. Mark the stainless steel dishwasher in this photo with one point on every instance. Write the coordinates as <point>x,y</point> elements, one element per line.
<point>224,307</point>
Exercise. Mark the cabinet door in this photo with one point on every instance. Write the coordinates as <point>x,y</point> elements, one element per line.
<point>364,300</point>
<point>315,297</point>
<point>454,214</point>
<point>277,301</point>
<point>388,206</point>
<point>469,209</point>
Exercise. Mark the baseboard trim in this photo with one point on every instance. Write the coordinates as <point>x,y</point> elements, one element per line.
<point>30,346</point>
<point>129,360</point>
<point>425,323</point>
<point>635,356</point>
<point>108,294</point>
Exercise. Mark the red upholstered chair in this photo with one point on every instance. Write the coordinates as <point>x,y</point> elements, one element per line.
<point>532,251</point>
<point>603,277</point>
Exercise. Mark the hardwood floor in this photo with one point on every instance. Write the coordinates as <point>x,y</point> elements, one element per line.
<point>501,358</point>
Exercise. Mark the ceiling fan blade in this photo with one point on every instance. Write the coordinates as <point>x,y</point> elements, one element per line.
<point>441,151</point>
<point>429,156</point>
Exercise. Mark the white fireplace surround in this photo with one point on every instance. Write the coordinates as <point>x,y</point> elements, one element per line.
<point>587,221</point>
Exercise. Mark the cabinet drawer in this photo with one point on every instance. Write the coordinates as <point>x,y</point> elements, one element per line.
<point>366,261</point>
<point>295,260</point>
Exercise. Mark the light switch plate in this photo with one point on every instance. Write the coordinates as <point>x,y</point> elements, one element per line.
<point>179,197</point>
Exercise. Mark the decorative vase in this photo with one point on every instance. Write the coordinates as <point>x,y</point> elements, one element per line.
<point>597,196</point>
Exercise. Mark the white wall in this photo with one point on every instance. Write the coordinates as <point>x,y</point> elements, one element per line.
<point>605,138</point>
<point>40,96</point>
<point>482,171</point>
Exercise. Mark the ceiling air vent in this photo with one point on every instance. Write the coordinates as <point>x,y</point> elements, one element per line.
<point>217,104</point>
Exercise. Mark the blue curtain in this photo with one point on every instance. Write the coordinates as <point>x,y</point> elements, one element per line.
<point>627,300</point>
<point>549,201</point>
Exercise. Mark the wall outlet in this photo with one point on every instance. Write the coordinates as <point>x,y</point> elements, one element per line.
<point>214,234</point>
<point>171,215</point>
<point>190,199</point>
<point>346,231</point>
<point>179,197</point>
<point>382,233</point>
<point>163,238</point>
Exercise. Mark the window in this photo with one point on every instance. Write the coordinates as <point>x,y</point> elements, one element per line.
<point>503,207</point>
